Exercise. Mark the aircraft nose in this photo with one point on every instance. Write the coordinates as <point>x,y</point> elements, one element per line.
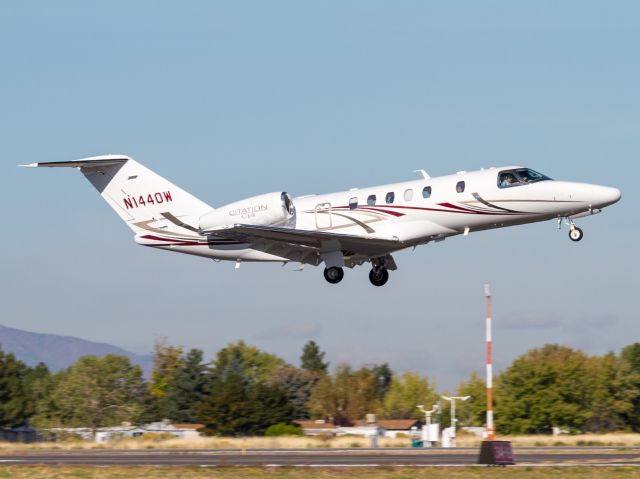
<point>605,196</point>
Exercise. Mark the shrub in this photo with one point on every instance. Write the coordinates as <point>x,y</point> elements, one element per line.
<point>282,429</point>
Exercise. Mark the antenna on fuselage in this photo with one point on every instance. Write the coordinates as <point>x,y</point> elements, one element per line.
<point>424,174</point>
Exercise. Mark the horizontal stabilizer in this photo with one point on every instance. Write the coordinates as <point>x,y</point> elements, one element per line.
<point>94,161</point>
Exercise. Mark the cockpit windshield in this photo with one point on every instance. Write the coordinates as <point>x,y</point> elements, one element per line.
<point>519,177</point>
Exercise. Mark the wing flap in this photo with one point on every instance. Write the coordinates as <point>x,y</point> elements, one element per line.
<point>361,245</point>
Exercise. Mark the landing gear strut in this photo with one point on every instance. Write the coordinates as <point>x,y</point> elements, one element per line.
<point>378,276</point>
<point>334,274</point>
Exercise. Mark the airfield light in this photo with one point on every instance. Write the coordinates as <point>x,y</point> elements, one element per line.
<point>426,436</point>
<point>452,400</point>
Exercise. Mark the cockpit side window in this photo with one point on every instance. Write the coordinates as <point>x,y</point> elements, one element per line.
<point>528,175</point>
<point>507,179</point>
<point>519,177</point>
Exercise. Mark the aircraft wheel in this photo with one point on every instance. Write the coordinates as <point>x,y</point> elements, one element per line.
<point>379,277</point>
<point>334,274</point>
<point>576,234</point>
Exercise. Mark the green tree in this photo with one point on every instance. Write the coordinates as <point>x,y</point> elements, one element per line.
<point>187,388</point>
<point>312,358</point>
<point>383,375</point>
<point>630,362</point>
<point>14,403</point>
<point>474,411</point>
<point>273,407</point>
<point>407,391</point>
<point>247,362</point>
<point>166,360</point>
<point>615,396</point>
<point>345,396</point>
<point>546,387</point>
<point>282,429</point>
<point>631,354</point>
<point>96,392</point>
<point>297,384</point>
<point>38,384</point>
<point>234,408</point>
<point>228,410</point>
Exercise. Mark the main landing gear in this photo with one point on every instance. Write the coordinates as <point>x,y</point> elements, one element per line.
<point>575,233</point>
<point>378,276</point>
<point>334,274</point>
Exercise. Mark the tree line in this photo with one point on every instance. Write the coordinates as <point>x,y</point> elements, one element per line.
<point>244,391</point>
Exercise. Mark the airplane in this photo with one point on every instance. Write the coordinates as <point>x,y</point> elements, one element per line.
<point>343,229</point>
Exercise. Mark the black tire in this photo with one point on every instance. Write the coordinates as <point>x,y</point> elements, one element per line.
<point>575,234</point>
<point>379,277</point>
<point>334,274</point>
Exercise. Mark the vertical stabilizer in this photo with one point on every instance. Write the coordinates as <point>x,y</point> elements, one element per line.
<point>137,194</point>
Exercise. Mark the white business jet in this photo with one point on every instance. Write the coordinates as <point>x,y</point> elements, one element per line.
<point>339,229</point>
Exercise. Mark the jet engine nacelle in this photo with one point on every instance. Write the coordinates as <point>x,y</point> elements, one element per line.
<point>270,209</point>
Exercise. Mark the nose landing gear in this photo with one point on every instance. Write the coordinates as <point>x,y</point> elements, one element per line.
<point>575,233</point>
<point>334,274</point>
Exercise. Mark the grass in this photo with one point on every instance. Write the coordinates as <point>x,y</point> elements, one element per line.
<point>296,442</point>
<point>83,472</point>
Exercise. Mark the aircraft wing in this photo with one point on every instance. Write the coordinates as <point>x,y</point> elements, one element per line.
<point>310,239</point>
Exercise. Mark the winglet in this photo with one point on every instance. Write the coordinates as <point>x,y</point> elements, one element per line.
<point>30,165</point>
<point>425,175</point>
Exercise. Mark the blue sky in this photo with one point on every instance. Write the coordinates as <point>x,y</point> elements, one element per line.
<point>234,99</point>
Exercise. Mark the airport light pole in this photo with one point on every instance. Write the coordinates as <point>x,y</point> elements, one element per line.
<point>491,431</point>
<point>452,400</point>
<point>426,438</point>
<point>492,452</point>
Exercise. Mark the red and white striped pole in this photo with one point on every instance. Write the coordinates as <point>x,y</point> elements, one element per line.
<point>491,433</point>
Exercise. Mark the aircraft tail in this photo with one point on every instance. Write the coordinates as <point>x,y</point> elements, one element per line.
<point>136,193</point>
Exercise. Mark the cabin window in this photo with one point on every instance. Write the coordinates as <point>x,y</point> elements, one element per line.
<point>426,192</point>
<point>353,203</point>
<point>390,197</point>
<point>408,195</point>
<point>371,200</point>
<point>460,187</point>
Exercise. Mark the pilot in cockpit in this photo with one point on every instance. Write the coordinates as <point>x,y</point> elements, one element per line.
<point>508,179</point>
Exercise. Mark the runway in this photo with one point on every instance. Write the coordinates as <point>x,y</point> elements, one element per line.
<point>318,458</point>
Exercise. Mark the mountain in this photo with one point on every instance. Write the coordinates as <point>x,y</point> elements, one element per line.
<point>59,352</point>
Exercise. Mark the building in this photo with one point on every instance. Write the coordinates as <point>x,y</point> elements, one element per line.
<point>367,427</point>
<point>316,427</point>
<point>106,434</point>
<point>23,434</point>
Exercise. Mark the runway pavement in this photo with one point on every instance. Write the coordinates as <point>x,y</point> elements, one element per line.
<point>317,458</point>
